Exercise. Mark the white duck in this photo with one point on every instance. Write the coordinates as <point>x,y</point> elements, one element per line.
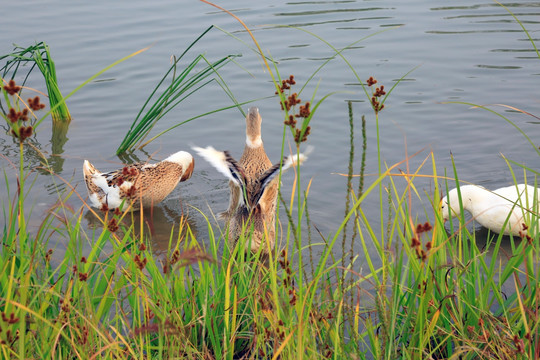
<point>507,210</point>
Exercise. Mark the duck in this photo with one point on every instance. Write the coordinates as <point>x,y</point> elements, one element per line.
<point>253,185</point>
<point>507,210</point>
<point>254,163</point>
<point>137,185</point>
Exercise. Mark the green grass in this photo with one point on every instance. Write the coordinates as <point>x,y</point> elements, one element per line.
<point>39,55</point>
<point>170,91</point>
<point>20,115</point>
<point>442,297</point>
<point>424,293</point>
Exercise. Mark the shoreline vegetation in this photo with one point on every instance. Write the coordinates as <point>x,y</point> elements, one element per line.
<point>424,294</point>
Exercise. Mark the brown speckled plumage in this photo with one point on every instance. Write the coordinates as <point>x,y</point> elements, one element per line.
<point>253,187</point>
<point>137,183</point>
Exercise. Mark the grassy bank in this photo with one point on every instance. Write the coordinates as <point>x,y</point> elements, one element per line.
<point>424,293</point>
<point>434,295</point>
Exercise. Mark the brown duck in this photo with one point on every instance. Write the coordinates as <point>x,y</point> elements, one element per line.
<point>137,184</point>
<point>253,186</point>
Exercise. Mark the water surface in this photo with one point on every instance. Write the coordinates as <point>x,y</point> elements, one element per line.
<point>457,52</point>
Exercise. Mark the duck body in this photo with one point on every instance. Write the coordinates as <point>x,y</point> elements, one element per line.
<point>506,210</point>
<point>254,162</point>
<point>137,184</point>
<point>253,186</point>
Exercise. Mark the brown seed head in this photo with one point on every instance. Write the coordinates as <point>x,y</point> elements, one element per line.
<point>13,115</point>
<point>304,110</point>
<point>371,81</point>
<point>25,132</point>
<point>379,91</point>
<point>35,103</point>
<point>112,226</point>
<point>293,99</point>
<point>291,80</point>
<point>11,88</point>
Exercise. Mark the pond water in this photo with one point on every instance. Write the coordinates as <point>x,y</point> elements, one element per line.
<point>459,51</point>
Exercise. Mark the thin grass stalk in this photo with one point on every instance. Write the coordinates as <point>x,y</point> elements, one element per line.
<point>301,274</point>
<point>260,52</point>
<point>349,188</point>
<point>289,216</point>
<point>310,243</point>
<point>484,107</point>
<point>531,40</point>
<point>360,188</point>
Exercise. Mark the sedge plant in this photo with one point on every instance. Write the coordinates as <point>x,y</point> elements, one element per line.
<point>39,55</point>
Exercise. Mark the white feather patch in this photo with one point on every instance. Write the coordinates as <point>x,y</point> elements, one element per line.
<point>182,158</point>
<point>217,159</point>
<point>101,182</point>
<point>113,198</point>
<point>111,193</point>
<point>292,160</point>
<point>95,200</point>
<point>253,143</point>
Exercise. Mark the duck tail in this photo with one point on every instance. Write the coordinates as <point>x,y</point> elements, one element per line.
<point>89,169</point>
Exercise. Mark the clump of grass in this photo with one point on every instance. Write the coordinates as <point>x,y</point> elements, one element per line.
<point>39,55</point>
<point>170,91</point>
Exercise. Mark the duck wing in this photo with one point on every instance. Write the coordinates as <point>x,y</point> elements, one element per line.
<point>270,176</point>
<point>128,174</point>
<point>110,187</point>
<point>521,195</point>
<point>223,162</point>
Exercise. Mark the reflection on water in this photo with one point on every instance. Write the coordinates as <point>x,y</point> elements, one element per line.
<point>163,226</point>
<point>58,140</point>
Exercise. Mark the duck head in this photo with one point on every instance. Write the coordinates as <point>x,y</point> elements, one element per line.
<point>450,204</point>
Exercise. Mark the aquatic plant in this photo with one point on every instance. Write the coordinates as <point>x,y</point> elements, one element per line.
<point>39,55</point>
<point>175,87</point>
